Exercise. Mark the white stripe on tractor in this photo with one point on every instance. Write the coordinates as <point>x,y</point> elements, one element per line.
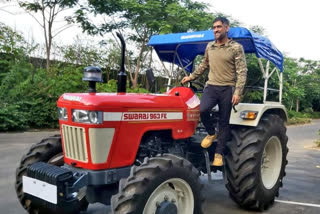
<point>141,116</point>
<point>112,116</point>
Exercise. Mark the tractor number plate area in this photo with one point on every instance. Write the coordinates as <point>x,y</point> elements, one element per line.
<point>40,189</point>
<point>46,184</point>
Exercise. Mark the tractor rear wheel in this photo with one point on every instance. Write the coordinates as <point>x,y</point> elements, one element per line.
<point>255,163</point>
<point>49,150</point>
<point>162,184</point>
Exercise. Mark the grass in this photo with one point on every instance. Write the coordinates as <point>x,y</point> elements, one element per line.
<point>302,117</point>
<point>297,120</point>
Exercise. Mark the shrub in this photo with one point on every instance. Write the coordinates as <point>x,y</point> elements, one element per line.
<point>315,115</point>
<point>29,99</point>
<point>297,120</point>
<point>308,110</point>
<point>14,116</point>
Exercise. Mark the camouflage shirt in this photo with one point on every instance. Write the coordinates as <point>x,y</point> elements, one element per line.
<point>227,65</point>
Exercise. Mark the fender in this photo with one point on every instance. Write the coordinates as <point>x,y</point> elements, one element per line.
<point>268,107</point>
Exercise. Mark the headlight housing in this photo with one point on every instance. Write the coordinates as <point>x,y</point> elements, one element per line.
<point>248,115</point>
<point>84,116</point>
<point>62,113</point>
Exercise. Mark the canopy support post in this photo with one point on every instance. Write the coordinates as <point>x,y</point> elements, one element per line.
<point>266,79</point>
<point>266,76</point>
<point>281,87</point>
<point>274,69</point>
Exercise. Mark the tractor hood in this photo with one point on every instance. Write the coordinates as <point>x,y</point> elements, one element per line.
<point>96,127</point>
<point>98,101</point>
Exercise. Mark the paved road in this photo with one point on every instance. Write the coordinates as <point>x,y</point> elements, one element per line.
<point>301,185</point>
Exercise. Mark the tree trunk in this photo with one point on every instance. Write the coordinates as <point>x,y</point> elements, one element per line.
<point>129,67</point>
<point>150,61</point>
<point>291,105</point>
<point>134,81</point>
<point>45,36</point>
<point>297,105</point>
<point>48,60</point>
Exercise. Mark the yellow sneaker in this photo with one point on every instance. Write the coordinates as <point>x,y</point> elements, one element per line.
<point>207,141</point>
<point>218,161</point>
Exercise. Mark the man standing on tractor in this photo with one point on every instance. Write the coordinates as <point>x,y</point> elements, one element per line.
<point>227,77</point>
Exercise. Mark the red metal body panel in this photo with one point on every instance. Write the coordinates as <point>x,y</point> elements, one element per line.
<point>172,111</point>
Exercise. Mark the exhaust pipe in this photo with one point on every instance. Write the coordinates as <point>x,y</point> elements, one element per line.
<point>122,76</point>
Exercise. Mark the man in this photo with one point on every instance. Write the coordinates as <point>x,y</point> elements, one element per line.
<point>227,76</point>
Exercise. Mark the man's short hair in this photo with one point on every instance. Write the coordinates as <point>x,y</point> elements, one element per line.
<point>222,19</point>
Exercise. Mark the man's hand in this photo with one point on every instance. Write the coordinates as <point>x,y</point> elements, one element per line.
<point>185,80</point>
<point>235,99</point>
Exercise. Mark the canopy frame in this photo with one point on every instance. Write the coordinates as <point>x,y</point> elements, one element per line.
<point>267,75</point>
<point>252,43</point>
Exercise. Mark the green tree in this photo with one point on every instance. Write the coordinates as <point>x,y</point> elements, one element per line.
<point>49,10</point>
<point>144,18</point>
<point>310,72</point>
<point>84,52</point>
<point>293,87</point>
<point>13,48</point>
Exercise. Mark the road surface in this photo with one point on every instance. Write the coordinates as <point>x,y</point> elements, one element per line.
<point>300,194</point>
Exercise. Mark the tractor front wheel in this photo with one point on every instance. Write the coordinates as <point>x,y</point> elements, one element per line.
<point>162,184</point>
<point>49,150</point>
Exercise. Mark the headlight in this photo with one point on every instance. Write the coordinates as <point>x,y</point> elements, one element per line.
<point>84,116</point>
<point>63,114</point>
<point>248,115</point>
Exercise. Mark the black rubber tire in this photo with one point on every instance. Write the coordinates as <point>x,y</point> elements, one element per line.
<point>45,151</point>
<point>243,163</point>
<point>135,190</point>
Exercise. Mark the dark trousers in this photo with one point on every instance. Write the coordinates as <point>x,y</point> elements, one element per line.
<point>213,95</point>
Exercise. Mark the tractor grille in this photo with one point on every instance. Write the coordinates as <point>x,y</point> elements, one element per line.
<point>74,139</point>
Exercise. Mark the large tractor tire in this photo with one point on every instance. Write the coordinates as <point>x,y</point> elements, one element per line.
<point>255,163</point>
<point>49,150</point>
<point>161,185</point>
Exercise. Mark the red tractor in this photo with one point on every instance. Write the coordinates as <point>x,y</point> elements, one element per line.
<point>141,154</point>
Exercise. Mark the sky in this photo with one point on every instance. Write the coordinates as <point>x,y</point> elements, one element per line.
<point>292,25</point>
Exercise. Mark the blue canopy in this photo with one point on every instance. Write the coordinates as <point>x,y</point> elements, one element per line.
<point>182,48</point>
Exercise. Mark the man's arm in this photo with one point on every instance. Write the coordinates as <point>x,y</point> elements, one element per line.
<point>203,66</point>
<point>241,70</point>
<point>241,74</point>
